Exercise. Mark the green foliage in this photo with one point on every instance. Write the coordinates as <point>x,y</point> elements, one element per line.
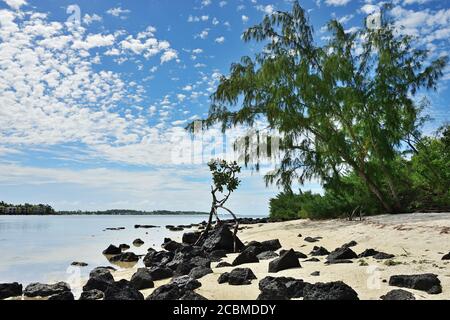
<point>337,109</point>
<point>423,184</point>
<point>224,174</point>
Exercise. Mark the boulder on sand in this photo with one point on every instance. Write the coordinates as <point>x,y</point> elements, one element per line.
<point>299,254</point>
<point>45,290</point>
<point>63,296</point>
<point>190,237</point>
<point>398,294</point>
<point>237,277</point>
<point>343,253</point>
<point>427,282</point>
<point>171,245</point>
<point>175,289</point>
<point>8,290</point>
<point>192,296</point>
<point>446,257</point>
<point>368,253</point>
<point>92,295</point>
<point>221,238</point>
<point>142,279</point>
<point>267,255</point>
<point>319,251</point>
<point>311,239</point>
<point>199,272</point>
<point>223,264</point>
<point>329,291</point>
<point>246,256</point>
<point>272,290</point>
<point>99,279</point>
<point>159,273</point>
<point>122,290</point>
<point>286,261</point>
<point>383,256</point>
<point>294,287</point>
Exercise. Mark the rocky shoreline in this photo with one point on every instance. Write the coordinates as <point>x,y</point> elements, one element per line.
<point>182,271</point>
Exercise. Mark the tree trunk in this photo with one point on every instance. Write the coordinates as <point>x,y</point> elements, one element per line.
<point>374,189</point>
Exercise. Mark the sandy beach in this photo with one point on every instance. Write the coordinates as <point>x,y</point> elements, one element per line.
<point>417,240</point>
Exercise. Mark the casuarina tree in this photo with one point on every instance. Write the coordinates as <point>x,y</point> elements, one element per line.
<point>347,105</point>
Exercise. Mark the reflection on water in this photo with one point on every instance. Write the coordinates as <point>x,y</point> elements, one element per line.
<point>42,248</point>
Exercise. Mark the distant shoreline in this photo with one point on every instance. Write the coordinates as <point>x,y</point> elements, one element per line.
<point>117,213</point>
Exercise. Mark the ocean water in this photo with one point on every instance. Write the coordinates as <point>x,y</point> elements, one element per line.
<point>42,248</point>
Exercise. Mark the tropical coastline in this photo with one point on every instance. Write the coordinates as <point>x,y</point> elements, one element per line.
<point>413,244</point>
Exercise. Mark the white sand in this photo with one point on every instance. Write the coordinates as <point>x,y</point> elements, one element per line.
<point>418,241</point>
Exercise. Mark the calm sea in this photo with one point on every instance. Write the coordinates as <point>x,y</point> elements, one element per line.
<point>41,248</point>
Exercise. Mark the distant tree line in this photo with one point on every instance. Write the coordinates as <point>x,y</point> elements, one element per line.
<point>131,212</point>
<point>25,209</point>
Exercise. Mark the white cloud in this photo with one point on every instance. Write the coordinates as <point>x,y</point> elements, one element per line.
<point>220,40</point>
<point>88,19</point>
<point>244,19</point>
<point>118,12</point>
<point>337,3</point>
<point>169,55</point>
<point>15,4</point>
<point>268,9</point>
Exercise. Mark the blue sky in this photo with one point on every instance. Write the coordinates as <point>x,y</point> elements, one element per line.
<point>94,94</point>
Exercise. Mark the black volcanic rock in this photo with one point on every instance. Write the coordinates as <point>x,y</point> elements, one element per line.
<point>8,290</point>
<point>319,251</point>
<point>125,257</point>
<point>192,296</point>
<point>122,290</point>
<point>427,282</point>
<point>99,279</point>
<point>199,272</point>
<point>92,295</point>
<point>246,256</point>
<point>299,254</point>
<point>398,294</point>
<point>446,257</point>
<point>329,291</point>
<point>138,242</point>
<point>383,256</point>
<point>63,296</point>
<point>267,255</point>
<point>142,279</point>
<point>171,245</point>
<point>240,276</point>
<point>190,237</point>
<point>311,239</point>
<point>221,238</point>
<point>342,253</point>
<point>368,253</point>
<point>45,290</point>
<point>286,261</point>
<point>223,264</point>
<point>159,273</point>
<point>111,250</point>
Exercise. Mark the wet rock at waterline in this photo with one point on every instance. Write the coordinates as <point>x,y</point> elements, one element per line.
<point>8,290</point>
<point>45,290</point>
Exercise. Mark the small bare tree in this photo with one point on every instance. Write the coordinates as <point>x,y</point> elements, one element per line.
<point>225,182</point>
